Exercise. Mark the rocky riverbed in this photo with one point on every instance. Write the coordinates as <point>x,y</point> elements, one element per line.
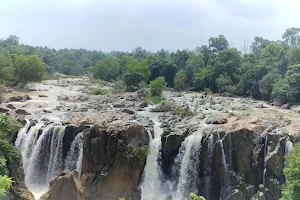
<point>122,146</point>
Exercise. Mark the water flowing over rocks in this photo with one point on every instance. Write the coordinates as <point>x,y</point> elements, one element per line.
<point>113,146</point>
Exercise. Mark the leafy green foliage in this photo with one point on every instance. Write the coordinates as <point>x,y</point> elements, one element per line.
<point>139,67</point>
<point>156,86</point>
<point>106,69</point>
<point>195,197</point>
<point>11,154</point>
<point>8,126</point>
<point>5,184</point>
<point>291,189</point>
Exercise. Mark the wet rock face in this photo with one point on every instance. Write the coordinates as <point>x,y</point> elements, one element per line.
<point>113,161</point>
<point>247,154</point>
<point>70,134</point>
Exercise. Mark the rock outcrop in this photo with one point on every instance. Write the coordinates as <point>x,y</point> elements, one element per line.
<point>113,161</point>
<point>64,187</point>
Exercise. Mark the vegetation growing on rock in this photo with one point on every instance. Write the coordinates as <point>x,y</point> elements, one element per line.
<point>291,189</point>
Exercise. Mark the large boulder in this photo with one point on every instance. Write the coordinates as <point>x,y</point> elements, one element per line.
<point>164,106</point>
<point>64,187</point>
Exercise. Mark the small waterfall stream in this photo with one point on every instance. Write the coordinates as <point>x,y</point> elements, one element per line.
<point>265,158</point>
<point>150,186</point>
<point>207,172</point>
<point>189,158</point>
<point>74,156</point>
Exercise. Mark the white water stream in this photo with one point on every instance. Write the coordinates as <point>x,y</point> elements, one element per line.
<point>150,186</point>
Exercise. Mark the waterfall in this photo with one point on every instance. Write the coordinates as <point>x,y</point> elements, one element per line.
<point>265,158</point>
<point>56,161</point>
<point>74,156</point>
<point>189,158</point>
<point>207,172</point>
<point>150,186</point>
<point>288,147</point>
<point>42,153</point>
<point>226,188</point>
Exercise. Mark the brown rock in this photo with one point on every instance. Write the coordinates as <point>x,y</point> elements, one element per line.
<point>10,106</point>
<point>22,112</point>
<point>64,187</point>
<point>3,110</point>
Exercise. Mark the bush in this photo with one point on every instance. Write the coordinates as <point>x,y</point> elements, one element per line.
<point>291,189</point>
<point>98,91</point>
<point>156,86</point>
<point>5,184</point>
<point>11,154</point>
<point>195,197</point>
<point>8,126</point>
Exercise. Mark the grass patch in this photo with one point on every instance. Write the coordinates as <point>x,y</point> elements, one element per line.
<point>98,91</point>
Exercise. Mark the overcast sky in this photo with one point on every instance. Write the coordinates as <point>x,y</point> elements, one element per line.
<point>152,24</point>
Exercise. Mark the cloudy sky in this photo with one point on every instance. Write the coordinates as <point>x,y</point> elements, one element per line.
<point>152,24</point>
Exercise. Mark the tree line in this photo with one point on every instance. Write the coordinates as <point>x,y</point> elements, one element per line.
<point>269,71</point>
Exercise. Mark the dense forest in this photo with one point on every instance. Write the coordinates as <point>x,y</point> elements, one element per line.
<point>268,70</point>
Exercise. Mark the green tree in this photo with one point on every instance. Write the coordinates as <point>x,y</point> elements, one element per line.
<point>180,58</point>
<point>292,37</point>
<point>106,69</point>
<point>139,67</point>
<point>28,68</point>
<point>180,81</point>
<point>283,92</point>
<point>291,189</point>
<point>266,84</point>
<point>132,80</point>
<point>217,44</point>
<point>169,71</point>
<point>156,86</point>
<point>225,84</point>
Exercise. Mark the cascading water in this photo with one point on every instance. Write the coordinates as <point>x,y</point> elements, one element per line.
<point>226,189</point>
<point>207,172</point>
<point>150,186</point>
<point>74,156</point>
<point>189,159</point>
<point>42,153</point>
<point>288,147</point>
<point>265,158</point>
